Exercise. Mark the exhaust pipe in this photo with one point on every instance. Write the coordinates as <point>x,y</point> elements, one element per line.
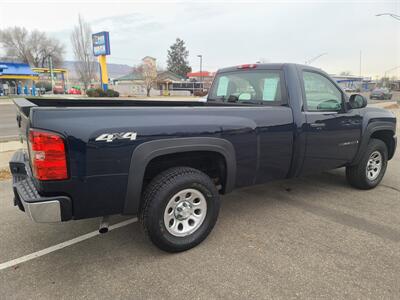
<point>103,228</point>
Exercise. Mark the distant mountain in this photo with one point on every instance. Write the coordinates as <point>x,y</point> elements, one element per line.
<point>114,70</point>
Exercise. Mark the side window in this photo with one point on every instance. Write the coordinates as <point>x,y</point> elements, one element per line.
<point>321,94</point>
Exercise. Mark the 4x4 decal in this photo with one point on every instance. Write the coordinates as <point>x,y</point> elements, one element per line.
<point>110,137</point>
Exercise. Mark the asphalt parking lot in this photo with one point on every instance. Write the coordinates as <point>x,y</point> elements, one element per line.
<point>312,237</point>
<point>8,128</point>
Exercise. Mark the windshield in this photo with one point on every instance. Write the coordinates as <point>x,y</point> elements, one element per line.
<point>247,86</point>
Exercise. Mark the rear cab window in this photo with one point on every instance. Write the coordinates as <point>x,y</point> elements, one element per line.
<point>249,86</point>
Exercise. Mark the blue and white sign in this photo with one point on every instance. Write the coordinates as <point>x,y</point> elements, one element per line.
<point>101,43</point>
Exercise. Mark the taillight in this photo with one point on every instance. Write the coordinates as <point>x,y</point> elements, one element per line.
<point>48,157</point>
<point>247,66</point>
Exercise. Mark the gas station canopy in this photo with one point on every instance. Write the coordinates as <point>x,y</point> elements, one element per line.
<point>47,70</point>
<point>17,71</point>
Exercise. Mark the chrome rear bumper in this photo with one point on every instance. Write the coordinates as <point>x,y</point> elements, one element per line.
<point>27,198</point>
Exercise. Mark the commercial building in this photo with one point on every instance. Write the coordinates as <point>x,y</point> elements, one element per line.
<point>133,83</point>
<point>17,79</point>
<point>354,83</point>
<point>203,77</point>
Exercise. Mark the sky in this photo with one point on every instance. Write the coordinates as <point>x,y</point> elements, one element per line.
<point>229,33</point>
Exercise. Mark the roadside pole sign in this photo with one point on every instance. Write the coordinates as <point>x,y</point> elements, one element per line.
<point>101,48</point>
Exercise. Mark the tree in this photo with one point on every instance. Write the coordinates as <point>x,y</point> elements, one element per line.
<point>33,47</point>
<point>385,80</point>
<point>148,73</point>
<point>81,39</point>
<point>177,58</point>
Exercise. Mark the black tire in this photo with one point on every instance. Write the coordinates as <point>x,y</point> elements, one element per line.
<point>357,174</point>
<point>157,196</point>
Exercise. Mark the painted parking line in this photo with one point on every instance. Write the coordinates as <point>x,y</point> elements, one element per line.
<point>62,245</point>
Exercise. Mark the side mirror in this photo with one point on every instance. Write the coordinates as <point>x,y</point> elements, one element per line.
<point>357,101</point>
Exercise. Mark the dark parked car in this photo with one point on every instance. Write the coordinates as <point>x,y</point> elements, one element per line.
<point>381,94</point>
<point>168,161</point>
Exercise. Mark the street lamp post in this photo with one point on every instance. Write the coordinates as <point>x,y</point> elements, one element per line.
<point>387,71</point>
<point>394,16</point>
<point>308,62</point>
<point>391,69</point>
<point>201,70</point>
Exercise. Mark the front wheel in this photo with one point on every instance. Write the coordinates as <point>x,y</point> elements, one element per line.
<point>180,208</point>
<point>369,172</point>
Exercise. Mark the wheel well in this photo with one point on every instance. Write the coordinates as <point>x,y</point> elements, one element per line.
<point>211,163</point>
<point>387,137</point>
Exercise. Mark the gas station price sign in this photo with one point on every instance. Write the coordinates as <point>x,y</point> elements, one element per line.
<point>101,43</point>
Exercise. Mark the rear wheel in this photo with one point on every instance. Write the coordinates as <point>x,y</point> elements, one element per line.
<point>180,208</point>
<point>369,172</point>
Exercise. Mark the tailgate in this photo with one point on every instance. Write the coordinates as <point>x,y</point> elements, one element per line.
<point>23,111</point>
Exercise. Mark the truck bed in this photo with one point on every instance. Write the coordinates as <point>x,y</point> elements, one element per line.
<point>26,103</point>
<point>110,102</point>
<point>99,171</point>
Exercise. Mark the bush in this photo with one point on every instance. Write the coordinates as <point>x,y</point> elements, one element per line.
<point>112,93</point>
<point>100,93</point>
<point>95,92</point>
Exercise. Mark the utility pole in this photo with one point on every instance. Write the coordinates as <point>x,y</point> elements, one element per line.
<point>201,70</point>
<point>51,72</point>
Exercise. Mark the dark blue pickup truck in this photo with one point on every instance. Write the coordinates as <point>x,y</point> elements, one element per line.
<point>167,162</point>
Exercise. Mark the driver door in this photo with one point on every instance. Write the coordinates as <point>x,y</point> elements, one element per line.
<point>332,132</point>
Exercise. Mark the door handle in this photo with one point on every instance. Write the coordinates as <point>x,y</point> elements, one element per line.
<point>317,125</point>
